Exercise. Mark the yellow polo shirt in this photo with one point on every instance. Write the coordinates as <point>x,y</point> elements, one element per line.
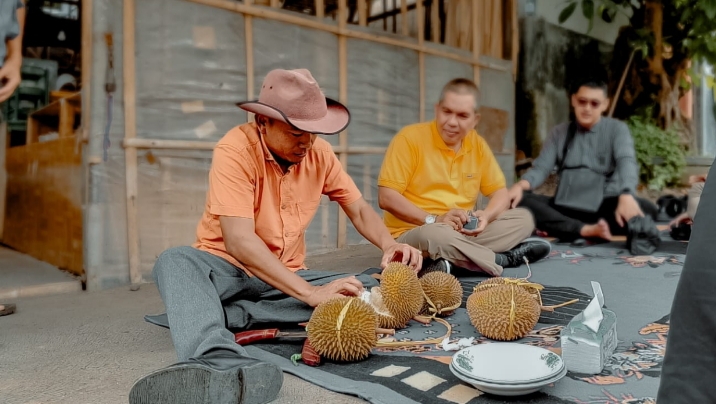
<point>435,178</point>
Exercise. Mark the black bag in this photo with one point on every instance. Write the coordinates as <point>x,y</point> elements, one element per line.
<point>580,188</point>
<point>642,236</point>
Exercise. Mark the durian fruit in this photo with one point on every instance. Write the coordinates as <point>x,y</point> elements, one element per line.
<point>443,290</point>
<point>503,312</point>
<point>343,329</point>
<point>399,297</point>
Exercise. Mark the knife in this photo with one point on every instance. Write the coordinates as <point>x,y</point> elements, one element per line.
<point>248,337</point>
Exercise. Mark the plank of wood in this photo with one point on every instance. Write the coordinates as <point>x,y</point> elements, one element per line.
<point>44,203</point>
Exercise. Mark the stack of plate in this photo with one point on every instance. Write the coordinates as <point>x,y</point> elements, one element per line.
<point>507,369</point>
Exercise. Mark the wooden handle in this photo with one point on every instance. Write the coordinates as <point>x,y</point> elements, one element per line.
<point>309,356</point>
<point>248,337</point>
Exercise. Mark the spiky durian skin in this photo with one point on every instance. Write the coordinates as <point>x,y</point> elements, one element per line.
<point>492,282</point>
<point>443,289</point>
<point>343,329</point>
<point>402,293</point>
<point>490,312</point>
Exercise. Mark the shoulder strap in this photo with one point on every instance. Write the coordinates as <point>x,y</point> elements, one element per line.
<point>571,131</point>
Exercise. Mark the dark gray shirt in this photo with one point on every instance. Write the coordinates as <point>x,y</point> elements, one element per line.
<point>9,26</point>
<point>607,148</point>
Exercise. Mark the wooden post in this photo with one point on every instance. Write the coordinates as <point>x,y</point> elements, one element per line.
<point>86,67</point>
<point>249,35</point>
<point>130,131</point>
<point>420,15</point>
<point>320,9</point>
<point>515,39</point>
<point>404,17</point>
<point>476,42</point>
<point>274,3</point>
<point>435,21</point>
<point>496,30</point>
<point>343,97</point>
<point>363,13</point>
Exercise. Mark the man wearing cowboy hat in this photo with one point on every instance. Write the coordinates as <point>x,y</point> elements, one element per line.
<point>429,183</point>
<point>247,264</point>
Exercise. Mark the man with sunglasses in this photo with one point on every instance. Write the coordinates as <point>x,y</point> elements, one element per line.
<point>598,173</point>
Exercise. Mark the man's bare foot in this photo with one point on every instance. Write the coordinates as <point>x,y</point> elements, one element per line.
<point>599,229</point>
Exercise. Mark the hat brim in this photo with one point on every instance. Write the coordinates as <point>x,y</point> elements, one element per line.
<point>335,121</point>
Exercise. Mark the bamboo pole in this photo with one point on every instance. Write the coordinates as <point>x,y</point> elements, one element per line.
<point>301,21</point>
<point>130,132</point>
<point>404,17</point>
<point>343,97</point>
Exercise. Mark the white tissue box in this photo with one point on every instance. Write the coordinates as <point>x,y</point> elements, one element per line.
<point>585,351</point>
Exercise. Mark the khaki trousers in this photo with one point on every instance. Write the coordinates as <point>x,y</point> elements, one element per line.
<point>477,253</point>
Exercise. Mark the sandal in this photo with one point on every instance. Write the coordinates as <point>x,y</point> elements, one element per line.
<point>7,309</point>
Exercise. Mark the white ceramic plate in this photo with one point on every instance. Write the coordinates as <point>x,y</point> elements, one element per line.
<point>507,363</point>
<point>508,390</point>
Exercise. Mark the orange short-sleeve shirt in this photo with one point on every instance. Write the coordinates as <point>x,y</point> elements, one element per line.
<point>246,181</point>
<point>421,167</point>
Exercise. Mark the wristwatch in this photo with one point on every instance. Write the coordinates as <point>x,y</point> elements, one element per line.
<point>430,219</point>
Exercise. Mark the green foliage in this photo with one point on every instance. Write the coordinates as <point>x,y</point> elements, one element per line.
<point>660,155</point>
<point>689,25</point>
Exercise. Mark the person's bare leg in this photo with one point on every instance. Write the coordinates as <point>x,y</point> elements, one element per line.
<point>597,230</point>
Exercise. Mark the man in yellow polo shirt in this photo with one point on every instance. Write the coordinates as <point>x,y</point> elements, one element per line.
<point>428,186</point>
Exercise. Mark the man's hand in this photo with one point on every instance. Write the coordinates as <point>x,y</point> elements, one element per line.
<point>9,80</point>
<point>515,193</point>
<point>481,224</point>
<point>404,253</point>
<point>627,208</point>
<point>454,217</point>
<point>349,286</point>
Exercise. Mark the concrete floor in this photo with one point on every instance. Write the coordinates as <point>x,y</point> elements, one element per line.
<point>89,347</point>
<point>24,276</point>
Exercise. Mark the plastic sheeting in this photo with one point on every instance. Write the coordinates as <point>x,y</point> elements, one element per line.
<point>190,71</point>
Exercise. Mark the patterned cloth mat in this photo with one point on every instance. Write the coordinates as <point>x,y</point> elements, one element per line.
<point>638,289</point>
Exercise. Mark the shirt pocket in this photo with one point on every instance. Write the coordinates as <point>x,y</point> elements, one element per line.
<point>470,185</point>
<point>306,211</point>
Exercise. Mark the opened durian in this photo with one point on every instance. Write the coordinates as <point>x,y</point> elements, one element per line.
<point>503,312</point>
<point>443,293</point>
<point>399,297</point>
<point>343,329</point>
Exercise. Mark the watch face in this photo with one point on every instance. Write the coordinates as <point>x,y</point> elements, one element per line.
<point>430,219</point>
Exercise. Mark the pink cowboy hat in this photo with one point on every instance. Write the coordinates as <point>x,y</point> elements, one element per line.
<point>294,97</point>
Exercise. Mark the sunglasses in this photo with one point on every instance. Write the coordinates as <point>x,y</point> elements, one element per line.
<point>583,102</point>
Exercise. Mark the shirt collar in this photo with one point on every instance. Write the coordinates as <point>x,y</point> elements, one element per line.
<point>593,128</point>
